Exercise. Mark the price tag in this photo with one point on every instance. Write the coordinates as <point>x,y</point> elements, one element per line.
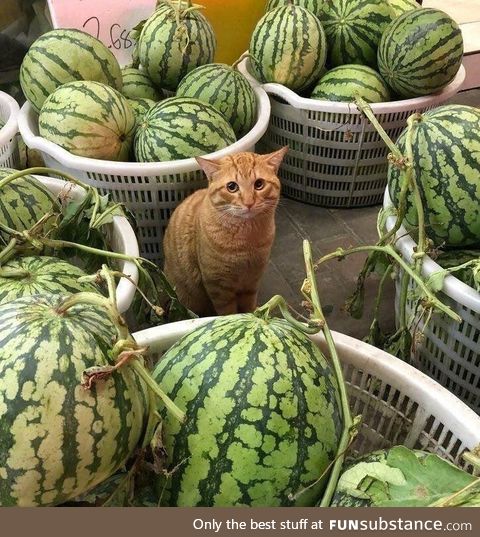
<point>108,20</point>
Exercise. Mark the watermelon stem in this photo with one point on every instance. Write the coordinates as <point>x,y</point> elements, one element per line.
<point>310,292</point>
<point>153,386</point>
<point>279,302</point>
<point>366,109</point>
<point>390,251</point>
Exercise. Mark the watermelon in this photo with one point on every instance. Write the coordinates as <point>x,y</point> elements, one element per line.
<point>137,85</point>
<point>57,439</point>
<point>354,29</point>
<point>140,107</point>
<point>315,6</point>
<point>62,56</point>
<point>225,89</point>
<point>264,418</point>
<point>288,47</point>
<point>446,156</point>
<point>420,52</point>
<point>399,7</point>
<point>27,276</point>
<point>180,128</point>
<point>345,82</point>
<point>173,41</point>
<point>89,119</point>
<point>23,202</point>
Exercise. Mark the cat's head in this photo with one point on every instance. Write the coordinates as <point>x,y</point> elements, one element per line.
<point>244,185</point>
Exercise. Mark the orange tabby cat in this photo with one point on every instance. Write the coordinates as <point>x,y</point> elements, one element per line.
<point>218,240</point>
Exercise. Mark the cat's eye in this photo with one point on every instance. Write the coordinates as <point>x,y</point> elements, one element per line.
<point>259,184</point>
<point>232,187</point>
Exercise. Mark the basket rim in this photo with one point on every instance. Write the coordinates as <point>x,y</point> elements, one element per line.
<point>392,107</point>
<point>10,129</point>
<point>125,289</point>
<point>433,397</point>
<point>452,286</point>
<point>28,115</point>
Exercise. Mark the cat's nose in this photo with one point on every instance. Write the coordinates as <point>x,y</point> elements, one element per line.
<point>249,205</point>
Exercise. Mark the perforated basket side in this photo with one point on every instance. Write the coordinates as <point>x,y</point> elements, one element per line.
<point>336,157</point>
<point>9,137</point>
<point>447,351</point>
<point>398,404</point>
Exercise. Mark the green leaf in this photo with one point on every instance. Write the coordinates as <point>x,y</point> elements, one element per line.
<point>427,480</point>
<point>358,479</point>
<point>400,344</point>
<point>436,280</point>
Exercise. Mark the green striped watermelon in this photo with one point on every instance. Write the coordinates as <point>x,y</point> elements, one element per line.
<point>23,202</point>
<point>89,119</point>
<point>58,440</point>
<point>137,85</point>
<point>180,128</point>
<point>420,52</point>
<point>446,153</point>
<point>288,47</point>
<point>315,6</point>
<point>34,275</point>
<point>354,29</point>
<point>345,82</point>
<point>140,107</point>
<point>225,89</point>
<point>264,418</point>
<point>399,7</point>
<point>173,41</point>
<point>62,56</point>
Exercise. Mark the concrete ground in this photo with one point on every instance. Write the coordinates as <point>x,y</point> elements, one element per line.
<point>327,230</point>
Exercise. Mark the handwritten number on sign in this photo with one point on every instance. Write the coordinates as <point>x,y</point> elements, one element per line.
<point>118,38</point>
<point>95,21</point>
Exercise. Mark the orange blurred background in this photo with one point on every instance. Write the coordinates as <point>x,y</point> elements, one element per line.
<point>233,22</point>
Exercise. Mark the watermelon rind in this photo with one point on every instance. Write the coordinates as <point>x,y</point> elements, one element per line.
<point>89,119</point>
<point>446,158</point>
<point>43,274</point>
<point>65,55</point>
<point>57,439</point>
<point>180,128</point>
<point>420,52</point>
<point>354,29</point>
<point>137,85</point>
<point>346,82</point>
<point>288,47</point>
<point>227,90</point>
<point>264,418</point>
<point>172,43</point>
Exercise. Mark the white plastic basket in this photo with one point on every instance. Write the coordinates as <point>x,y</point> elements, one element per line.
<point>9,151</point>
<point>150,190</point>
<point>336,157</point>
<point>121,239</point>
<point>399,404</point>
<point>449,352</point>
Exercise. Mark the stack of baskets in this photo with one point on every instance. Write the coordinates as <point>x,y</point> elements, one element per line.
<point>448,352</point>
<point>336,158</point>
<point>9,150</point>
<point>151,191</point>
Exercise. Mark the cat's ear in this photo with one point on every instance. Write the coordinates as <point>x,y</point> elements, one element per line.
<point>275,159</point>
<point>208,166</point>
